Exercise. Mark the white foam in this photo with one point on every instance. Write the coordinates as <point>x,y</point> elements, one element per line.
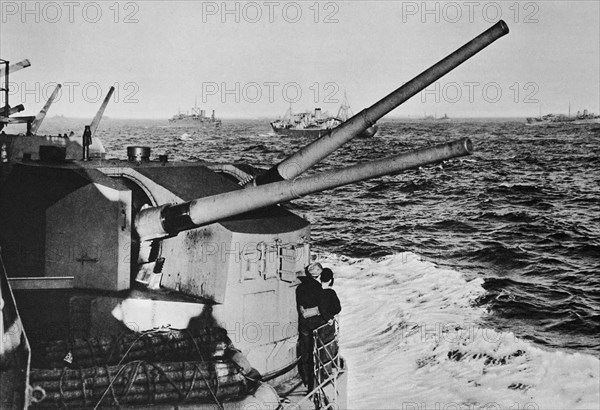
<point>413,339</point>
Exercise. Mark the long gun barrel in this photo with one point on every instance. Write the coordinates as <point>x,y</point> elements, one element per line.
<point>15,67</point>
<point>311,154</point>
<point>169,220</point>
<point>42,114</point>
<point>100,113</point>
<point>12,110</point>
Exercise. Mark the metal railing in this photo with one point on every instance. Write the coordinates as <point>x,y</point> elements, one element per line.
<point>327,363</point>
<point>327,366</point>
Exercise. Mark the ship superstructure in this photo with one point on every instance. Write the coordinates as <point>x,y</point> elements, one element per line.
<point>309,124</point>
<point>582,117</point>
<point>197,117</point>
<point>316,123</point>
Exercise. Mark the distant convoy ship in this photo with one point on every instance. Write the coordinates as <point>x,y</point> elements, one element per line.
<point>316,123</point>
<point>434,118</point>
<point>581,118</point>
<point>307,124</point>
<point>197,117</point>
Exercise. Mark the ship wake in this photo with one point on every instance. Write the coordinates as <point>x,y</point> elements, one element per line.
<point>415,339</point>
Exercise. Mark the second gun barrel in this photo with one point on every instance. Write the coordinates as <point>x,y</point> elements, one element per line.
<point>168,220</point>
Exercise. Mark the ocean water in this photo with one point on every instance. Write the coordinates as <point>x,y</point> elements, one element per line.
<point>470,284</point>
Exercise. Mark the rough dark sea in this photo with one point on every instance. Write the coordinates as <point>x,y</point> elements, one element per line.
<point>475,282</point>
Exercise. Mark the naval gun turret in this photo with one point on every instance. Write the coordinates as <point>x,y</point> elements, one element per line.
<point>30,145</point>
<point>92,244</point>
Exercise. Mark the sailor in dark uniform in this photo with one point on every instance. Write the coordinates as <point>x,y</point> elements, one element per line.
<point>308,296</point>
<point>329,303</point>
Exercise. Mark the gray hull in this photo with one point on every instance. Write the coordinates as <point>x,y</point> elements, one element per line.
<point>195,123</point>
<point>317,133</point>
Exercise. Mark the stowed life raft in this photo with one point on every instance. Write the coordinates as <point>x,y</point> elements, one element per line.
<point>139,369</point>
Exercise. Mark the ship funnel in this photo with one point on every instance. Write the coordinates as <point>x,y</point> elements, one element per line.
<point>306,157</point>
<point>168,220</point>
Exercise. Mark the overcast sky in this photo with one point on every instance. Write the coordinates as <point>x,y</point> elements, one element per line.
<point>251,59</point>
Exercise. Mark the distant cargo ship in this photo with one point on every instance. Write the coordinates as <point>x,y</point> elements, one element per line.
<point>198,117</point>
<point>306,124</point>
<point>581,118</point>
<point>435,118</point>
<point>316,123</point>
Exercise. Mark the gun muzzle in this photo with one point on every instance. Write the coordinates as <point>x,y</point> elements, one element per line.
<point>39,118</point>
<point>314,152</point>
<point>15,67</point>
<point>12,110</point>
<point>100,113</point>
<point>168,220</point>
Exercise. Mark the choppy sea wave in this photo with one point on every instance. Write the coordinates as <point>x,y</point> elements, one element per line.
<point>416,338</point>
